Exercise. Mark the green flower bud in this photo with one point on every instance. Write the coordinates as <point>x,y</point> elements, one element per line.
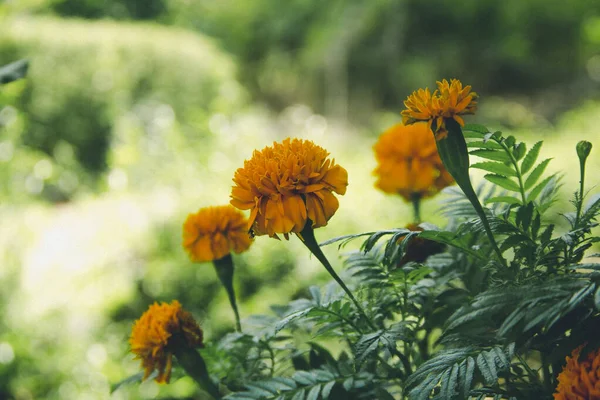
<point>583,150</point>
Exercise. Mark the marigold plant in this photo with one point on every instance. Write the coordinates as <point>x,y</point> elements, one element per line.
<point>580,378</point>
<point>286,184</point>
<point>153,333</point>
<point>214,232</point>
<point>409,163</point>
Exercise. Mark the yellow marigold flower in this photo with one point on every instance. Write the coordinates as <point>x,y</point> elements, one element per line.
<point>213,232</point>
<point>409,163</point>
<point>449,101</point>
<point>285,184</point>
<point>580,379</point>
<point>153,332</point>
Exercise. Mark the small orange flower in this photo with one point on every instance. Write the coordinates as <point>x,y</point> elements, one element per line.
<point>213,232</point>
<point>286,184</point>
<point>580,379</point>
<point>409,163</point>
<point>154,330</point>
<point>449,101</point>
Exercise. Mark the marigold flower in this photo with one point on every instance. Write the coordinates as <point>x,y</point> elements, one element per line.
<point>580,379</point>
<point>449,101</point>
<point>213,232</point>
<point>153,333</point>
<point>286,184</point>
<point>409,163</point>
<point>418,250</point>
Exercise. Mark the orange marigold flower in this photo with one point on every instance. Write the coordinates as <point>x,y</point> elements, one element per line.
<point>449,101</point>
<point>213,232</point>
<point>286,184</point>
<point>409,163</point>
<point>580,379</point>
<point>153,332</point>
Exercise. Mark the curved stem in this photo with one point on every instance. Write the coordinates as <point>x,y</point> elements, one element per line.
<point>416,203</point>
<point>193,364</point>
<point>224,269</point>
<point>307,236</point>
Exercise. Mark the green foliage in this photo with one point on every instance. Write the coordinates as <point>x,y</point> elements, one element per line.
<point>94,86</point>
<point>459,324</point>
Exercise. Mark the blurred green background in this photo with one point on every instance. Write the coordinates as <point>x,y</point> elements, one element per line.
<point>135,113</point>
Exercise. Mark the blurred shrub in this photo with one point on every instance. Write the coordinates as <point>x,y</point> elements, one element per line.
<point>85,77</point>
<point>348,57</point>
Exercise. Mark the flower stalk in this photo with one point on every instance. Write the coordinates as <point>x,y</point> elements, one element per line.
<point>307,236</point>
<point>224,268</point>
<point>193,364</point>
<point>455,156</point>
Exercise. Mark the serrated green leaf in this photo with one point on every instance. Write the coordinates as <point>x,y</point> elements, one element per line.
<point>536,174</point>
<point>487,368</point>
<point>304,378</point>
<point>480,144</point>
<point>531,158</point>
<point>503,182</point>
<point>475,128</point>
<point>535,192</point>
<point>495,167</point>
<point>496,155</point>
<point>503,199</point>
<point>313,394</point>
<point>519,151</point>
<point>468,376</point>
<point>299,395</point>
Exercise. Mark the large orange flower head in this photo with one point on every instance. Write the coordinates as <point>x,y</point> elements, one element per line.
<point>580,378</point>
<point>153,332</point>
<point>409,163</point>
<point>449,101</point>
<point>286,184</point>
<point>214,232</point>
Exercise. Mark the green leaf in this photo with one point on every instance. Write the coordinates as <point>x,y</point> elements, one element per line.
<point>313,394</point>
<point>495,167</point>
<point>538,189</point>
<point>452,239</point>
<point>327,389</point>
<point>503,182</point>
<point>531,158</point>
<point>519,151</point>
<point>480,144</point>
<point>495,155</point>
<point>13,71</point>
<point>133,379</point>
<point>503,199</point>
<point>536,174</point>
<point>475,128</point>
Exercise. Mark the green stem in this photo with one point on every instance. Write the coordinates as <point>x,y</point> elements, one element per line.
<point>416,203</point>
<point>224,269</point>
<point>513,160</point>
<point>307,236</point>
<point>193,364</point>
<point>455,156</point>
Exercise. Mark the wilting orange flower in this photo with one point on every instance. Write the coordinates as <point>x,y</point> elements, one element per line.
<point>418,250</point>
<point>213,232</point>
<point>409,163</point>
<point>449,101</point>
<point>580,379</point>
<point>286,184</point>
<point>153,333</point>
